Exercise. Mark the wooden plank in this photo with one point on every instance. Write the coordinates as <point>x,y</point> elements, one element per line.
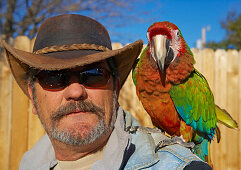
<point>32,44</point>
<point>116,46</point>
<point>19,126</point>
<point>19,122</point>
<point>208,65</point>
<point>35,129</point>
<point>220,93</point>
<point>22,43</point>
<point>239,121</point>
<point>233,107</point>
<point>5,114</point>
<point>198,58</point>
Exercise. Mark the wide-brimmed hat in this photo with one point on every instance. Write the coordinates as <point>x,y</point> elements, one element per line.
<point>68,41</point>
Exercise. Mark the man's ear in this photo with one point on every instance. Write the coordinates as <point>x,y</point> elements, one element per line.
<point>30,92</point>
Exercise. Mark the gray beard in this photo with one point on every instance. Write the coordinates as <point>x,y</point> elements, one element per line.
<point>74,137</point>
<point>69,138</point>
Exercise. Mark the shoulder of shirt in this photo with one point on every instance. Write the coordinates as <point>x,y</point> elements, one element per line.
<point>145,155</point>
<point>41,156</point>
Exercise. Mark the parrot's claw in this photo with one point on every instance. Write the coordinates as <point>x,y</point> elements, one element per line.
<point>131,129</point>
<point>150,130</point>
<point>134,129</point>
<point>172,141</point>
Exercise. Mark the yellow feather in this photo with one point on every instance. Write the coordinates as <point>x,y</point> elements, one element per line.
<point>225,118</point>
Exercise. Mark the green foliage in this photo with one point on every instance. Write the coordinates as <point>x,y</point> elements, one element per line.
<point>232,25</point>
<point>217,45</point>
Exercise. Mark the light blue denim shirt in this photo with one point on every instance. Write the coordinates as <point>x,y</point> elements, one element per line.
<point>122,151</point>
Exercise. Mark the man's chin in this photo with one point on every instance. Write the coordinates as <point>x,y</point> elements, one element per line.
<point>81,134</point>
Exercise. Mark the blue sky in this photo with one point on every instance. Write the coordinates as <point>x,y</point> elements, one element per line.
<point>189,15</point>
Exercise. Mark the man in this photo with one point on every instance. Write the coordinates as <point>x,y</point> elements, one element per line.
<point>73,79</point>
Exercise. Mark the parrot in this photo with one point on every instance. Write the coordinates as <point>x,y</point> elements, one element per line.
<point>174,93</point>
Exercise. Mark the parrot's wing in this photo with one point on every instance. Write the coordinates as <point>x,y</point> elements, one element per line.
<point>194,102</point>
<point>134,75</point>
<point>137,65</point>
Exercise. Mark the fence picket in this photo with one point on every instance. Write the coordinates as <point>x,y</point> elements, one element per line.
<point>35,129</point>
<point>239,113</point>
<point>19,122</point>
<point>19,126</point>
<point>219,93</point>
<point>232,107</point>
<point>5,114</point>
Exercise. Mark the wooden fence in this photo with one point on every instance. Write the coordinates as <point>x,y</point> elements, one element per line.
<point>20,129</point>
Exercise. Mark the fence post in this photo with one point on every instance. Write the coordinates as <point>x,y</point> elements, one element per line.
<point>5,114</point>
<point>220,94</point>
<point>35,129</point>
<point>208,66</point>
<point>19,122</point>
<point>239,121</point>
<point>232,107</point>
<point>198,58</point>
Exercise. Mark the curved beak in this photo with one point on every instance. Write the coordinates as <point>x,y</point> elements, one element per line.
<point>160,45</point>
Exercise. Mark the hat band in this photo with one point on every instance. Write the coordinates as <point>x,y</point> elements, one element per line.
<point>56,48</point>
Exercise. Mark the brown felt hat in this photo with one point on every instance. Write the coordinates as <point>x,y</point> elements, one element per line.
<point>68,41</point>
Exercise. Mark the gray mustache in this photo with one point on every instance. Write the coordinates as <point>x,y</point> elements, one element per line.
<point>82,106</point>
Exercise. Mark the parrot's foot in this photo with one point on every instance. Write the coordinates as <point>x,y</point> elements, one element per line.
<point>172,141</point>
<point>131,129</point>
<point>134,129</point>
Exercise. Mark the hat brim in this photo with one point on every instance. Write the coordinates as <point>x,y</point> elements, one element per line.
<point>20,61</point>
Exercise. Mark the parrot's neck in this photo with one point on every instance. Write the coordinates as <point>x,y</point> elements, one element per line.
<point>181,67</point>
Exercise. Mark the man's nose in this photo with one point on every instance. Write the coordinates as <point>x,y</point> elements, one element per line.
<point>75,90</point>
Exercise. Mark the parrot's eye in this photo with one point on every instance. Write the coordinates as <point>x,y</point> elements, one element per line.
<point>178,34</point>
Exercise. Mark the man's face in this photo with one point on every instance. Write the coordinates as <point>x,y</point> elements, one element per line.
<point>76,115</point>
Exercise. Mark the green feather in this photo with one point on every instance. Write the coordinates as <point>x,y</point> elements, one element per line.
<point>201,149</point>
<point>139,64</point>
<point>194,102</point>
<point>134,76</point>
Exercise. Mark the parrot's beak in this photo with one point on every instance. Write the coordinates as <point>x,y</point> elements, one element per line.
<point>160,43</point>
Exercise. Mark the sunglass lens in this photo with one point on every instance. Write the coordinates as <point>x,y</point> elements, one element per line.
<point>58,80</point>
<point>51,80</point>
<point>96,78</point>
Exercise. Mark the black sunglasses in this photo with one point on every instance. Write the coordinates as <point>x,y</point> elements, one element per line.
<point>58,80</point>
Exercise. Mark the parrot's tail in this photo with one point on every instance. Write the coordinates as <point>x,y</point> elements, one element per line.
<point>225,118</point>
<point>202,150</point>
<point>218,133</point>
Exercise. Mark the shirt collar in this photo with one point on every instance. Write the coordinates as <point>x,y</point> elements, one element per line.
<point>117,145</point>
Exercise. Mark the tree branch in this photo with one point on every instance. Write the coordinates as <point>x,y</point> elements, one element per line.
<point>8,25</point>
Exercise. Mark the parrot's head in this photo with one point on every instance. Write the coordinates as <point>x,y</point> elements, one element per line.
<point>166,43</point>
